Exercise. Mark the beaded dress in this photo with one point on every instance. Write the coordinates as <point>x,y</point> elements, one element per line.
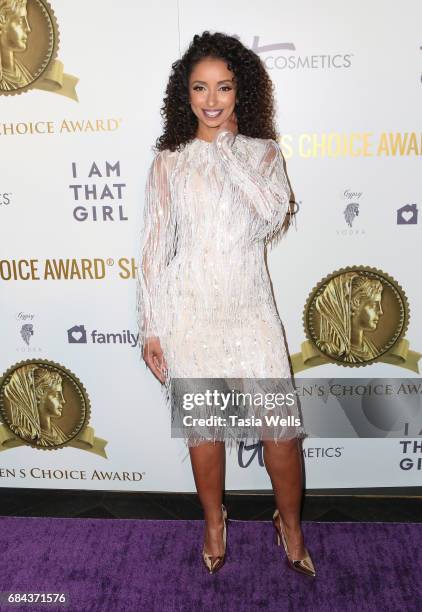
<point>203,289</point>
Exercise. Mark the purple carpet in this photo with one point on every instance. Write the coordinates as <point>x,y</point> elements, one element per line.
<point>130,565</point>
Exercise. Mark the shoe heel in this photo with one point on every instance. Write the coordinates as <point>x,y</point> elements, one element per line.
<point>213,564</point>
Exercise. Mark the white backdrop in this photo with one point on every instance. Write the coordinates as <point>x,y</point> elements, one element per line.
<point>345,68</point>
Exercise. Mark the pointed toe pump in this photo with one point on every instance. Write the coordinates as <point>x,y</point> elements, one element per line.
<point>215,562</point>
<point>305,565</point>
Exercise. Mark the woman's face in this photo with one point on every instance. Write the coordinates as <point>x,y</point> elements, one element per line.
<point>212,93</point>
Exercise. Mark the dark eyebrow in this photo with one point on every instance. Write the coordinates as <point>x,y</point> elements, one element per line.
<point>225,81</point>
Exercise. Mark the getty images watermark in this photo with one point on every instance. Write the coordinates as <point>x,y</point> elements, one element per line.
<point>272,408</point>
<point>221,408</point>
<point>227,402</point>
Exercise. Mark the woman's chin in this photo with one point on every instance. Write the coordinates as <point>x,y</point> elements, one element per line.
<point>213,123</point>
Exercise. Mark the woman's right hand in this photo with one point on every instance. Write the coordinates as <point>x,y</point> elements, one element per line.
<point>228,124</point>
<point>154,357</point>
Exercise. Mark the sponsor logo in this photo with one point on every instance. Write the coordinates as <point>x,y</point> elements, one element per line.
<point>27,333</point>
<point>322,452</point>
<point>45,405</point>
<point>78,335</point>
<point>248,453</point>
<point>65,126</point>
<point>351,204</point>
<point>407,215</point>
<point>283,56</point>
<point>29,40</point>
<point>354,317</point>
<point>67,269</point>
<point>334,145</point>
<point>100,199</point>
<point>413,451</point>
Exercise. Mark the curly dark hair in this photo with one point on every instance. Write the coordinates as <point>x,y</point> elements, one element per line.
<point>255,91</point>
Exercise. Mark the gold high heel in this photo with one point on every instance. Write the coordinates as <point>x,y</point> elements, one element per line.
<point>305,565</point>
<point>214,562</point>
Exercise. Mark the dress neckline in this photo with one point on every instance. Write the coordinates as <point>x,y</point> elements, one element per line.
<point>204,141</point>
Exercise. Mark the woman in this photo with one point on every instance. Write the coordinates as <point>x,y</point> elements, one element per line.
<point>216,195</point>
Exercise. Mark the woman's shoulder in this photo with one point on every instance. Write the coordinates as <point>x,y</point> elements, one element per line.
<point>259,144</point>
<point>164,154</point>
<point>259,148</point>
<point>164,157</point>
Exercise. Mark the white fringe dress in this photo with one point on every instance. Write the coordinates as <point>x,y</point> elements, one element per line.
<point>203,288</point>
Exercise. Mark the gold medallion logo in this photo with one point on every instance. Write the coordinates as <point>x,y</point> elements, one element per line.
<point>354,317</point>
<point>46,406</point>
<point>29,39</point>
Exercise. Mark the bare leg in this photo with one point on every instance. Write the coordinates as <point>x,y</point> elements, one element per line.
<point>208,466</point>
<point>283,462</point>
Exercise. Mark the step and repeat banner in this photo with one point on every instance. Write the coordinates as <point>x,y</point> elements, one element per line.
<point>81,85</point>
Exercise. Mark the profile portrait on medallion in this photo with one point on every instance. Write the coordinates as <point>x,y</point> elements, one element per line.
<point>28,43</point>
<point>35,409</point>
<point>356,315</point>
<point>36,400</point>
<point>349,307</point>
<point>14,31</point>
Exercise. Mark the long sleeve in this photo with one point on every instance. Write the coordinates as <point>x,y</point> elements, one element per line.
<point>158,243</point>
<point>264,188</point>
